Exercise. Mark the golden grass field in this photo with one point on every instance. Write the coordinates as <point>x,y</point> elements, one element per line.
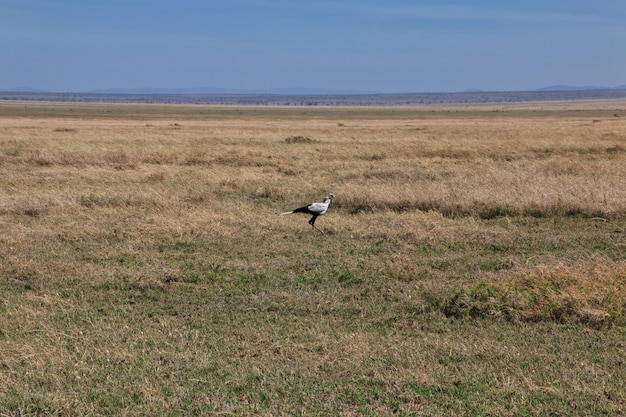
<point>474,260</point>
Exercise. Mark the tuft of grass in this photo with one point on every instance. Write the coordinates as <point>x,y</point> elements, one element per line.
<point>588,294</point>
<point>299,139</point>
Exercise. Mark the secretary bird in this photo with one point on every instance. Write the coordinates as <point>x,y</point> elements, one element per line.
<point>316,209</point>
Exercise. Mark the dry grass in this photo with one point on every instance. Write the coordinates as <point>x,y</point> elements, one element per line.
<point>474,261</point>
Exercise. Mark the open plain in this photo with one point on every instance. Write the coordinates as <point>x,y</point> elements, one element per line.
<point>473,261</point>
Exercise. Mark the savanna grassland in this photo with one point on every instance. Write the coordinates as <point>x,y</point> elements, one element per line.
<point>473,261</point>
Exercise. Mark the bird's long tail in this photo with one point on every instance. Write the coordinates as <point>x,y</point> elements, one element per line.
<point>304,209</point>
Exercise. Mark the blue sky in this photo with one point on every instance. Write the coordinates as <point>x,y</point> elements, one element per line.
<point>379,46</point>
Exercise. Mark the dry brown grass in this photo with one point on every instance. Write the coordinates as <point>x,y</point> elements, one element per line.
<point>474,261</point>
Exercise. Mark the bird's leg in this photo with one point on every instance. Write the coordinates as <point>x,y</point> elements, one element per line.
<point>312,223</point>
<point>317,228</point>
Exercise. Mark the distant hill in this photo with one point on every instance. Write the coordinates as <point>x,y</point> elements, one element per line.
<point>400,99</point>
<point>580,88</point>
<point>285,91</point>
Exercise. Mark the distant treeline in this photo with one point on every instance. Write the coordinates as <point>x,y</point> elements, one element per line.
<point>403,99</point>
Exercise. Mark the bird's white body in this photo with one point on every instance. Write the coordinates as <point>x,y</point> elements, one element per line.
<point>315,209</point>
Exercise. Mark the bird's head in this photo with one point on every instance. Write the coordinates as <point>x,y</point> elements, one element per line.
<point>330,196</point>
